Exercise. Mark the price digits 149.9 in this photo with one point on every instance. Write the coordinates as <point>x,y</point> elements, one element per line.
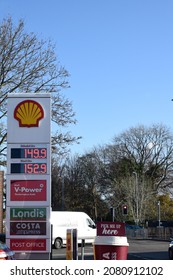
<point>29,153</point>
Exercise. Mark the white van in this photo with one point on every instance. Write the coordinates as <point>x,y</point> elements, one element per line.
<point>63,220</point>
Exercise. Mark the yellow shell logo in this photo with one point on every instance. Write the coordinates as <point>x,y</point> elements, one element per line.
<point>28,113</point>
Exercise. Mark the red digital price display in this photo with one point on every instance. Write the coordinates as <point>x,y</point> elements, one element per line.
<point>34,153</point>
<point>29,168</point>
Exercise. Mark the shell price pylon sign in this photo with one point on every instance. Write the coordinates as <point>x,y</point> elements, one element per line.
<point>28,113</point>
<point>28,174</point>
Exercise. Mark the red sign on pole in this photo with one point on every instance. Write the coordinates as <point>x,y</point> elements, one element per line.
<point>28,190</point>
<point>110,229</point>
<point>28,244</point>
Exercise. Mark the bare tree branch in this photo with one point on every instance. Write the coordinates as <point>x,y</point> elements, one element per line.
<point>30,65</point>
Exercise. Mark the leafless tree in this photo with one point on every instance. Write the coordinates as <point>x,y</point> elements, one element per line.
<point>28,64</point>
<point>149,150</point>
<point>134,170</point>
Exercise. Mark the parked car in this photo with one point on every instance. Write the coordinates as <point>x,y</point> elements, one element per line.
<point>2,237</point>
<point>170,249</point>
<point>133,226</point>
<point>5,252</point>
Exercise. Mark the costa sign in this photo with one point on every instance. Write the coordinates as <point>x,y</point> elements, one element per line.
<point>28,228</point>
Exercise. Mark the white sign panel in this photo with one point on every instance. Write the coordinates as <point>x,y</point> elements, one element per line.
<point>28,190</point>
<point>32,114</point>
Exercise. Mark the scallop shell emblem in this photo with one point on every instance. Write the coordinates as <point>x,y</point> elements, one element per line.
<point>28,113</point>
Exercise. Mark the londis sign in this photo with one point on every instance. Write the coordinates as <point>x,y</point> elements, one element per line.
<point>27,213</point>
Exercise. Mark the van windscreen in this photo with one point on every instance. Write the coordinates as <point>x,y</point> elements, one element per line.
<point>90,223</point>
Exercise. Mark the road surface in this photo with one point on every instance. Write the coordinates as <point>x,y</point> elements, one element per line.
<point>138,250</point>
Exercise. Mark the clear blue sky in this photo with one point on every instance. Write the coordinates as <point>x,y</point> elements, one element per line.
<point>120,57</point>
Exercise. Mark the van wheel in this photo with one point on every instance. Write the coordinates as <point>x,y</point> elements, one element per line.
<point>58,243</point>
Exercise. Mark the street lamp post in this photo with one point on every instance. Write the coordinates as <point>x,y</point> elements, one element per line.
<point>136,197</point>
<point>158,204</point>
<point>62,185</point>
